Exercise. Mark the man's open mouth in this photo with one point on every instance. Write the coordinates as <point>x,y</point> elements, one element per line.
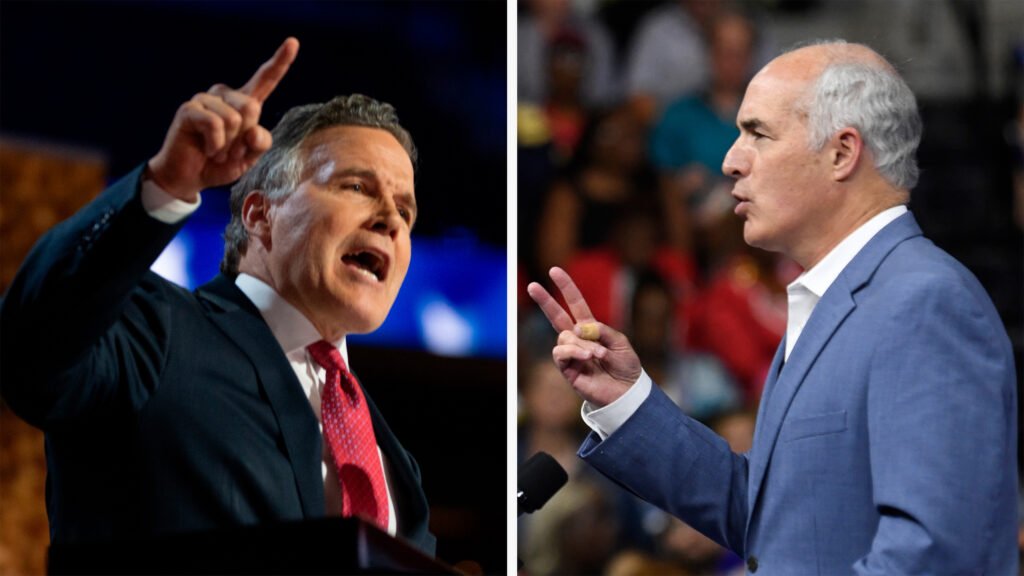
<point>368,262</point>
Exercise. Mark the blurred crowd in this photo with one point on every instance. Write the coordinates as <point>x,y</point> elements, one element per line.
<point>625,113</point>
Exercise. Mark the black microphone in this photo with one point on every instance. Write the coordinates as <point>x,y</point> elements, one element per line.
<point>539,478</point>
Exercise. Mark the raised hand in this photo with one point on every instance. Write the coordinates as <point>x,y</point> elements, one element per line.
<point>215,137</point>
<point>600,369</point>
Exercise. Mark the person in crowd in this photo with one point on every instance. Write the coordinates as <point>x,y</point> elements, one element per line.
<point>541,22</point>
<point>697,382</point>
<point>668,56</point>
<point>564,110</point>
<point>609,273</point>
<point>697,130</point>
<point>739,312</point>
<point>609,172</point>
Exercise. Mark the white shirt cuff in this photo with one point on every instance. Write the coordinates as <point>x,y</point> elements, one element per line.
<point>607,419</point>
<point>163,206</point>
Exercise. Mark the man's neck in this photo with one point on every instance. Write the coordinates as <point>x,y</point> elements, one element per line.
<point>823,273</point>
<point>839,229</point>
<point>291,327</point>
<point>257,269</point>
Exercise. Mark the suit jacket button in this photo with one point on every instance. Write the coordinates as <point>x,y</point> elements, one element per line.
<point>752,564</point>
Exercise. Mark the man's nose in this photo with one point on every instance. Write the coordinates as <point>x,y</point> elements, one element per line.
<point>387,220</point>
<point>735,164</point>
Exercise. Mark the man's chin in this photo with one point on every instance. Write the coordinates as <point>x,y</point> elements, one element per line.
<point>363,321</point>
<point>751,238</point>
<point>367,329</point>
<point>754,237</point>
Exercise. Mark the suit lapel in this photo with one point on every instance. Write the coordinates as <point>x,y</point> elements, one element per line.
<point>828,315</point>
<point>240,321</point>
<point>834,307</point>
<point>404,480</point>
<point>757,464</point>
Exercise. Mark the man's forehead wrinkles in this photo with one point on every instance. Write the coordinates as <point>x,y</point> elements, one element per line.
<point>365,172</point>
<point>383,177</point>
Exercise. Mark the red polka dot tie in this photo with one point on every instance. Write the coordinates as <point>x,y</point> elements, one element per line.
<point>348,433</point>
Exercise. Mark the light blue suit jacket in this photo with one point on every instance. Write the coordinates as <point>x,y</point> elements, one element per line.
<point>886,444</point>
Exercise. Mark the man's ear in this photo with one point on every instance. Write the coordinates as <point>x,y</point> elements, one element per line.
<point>847,153</point>
<point>256,217</point>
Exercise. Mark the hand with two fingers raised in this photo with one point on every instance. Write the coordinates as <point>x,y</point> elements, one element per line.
<point>216,137</point>
<point>601,367</point>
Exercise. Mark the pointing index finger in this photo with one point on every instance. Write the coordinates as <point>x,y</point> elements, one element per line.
<point>272,71</point>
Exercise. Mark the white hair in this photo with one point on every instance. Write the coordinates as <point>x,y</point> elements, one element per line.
<point>874,99</point>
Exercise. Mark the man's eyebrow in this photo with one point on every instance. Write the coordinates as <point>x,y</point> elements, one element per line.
<point>369,173</point>
<point>407,198</point>
<point>752,125</point>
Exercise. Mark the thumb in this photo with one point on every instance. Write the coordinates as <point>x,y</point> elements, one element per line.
<point>624,364</point>
<point>601,333</point>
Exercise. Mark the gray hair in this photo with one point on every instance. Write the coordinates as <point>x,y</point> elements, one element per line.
<point>279,171</point>
<point>874,99</point>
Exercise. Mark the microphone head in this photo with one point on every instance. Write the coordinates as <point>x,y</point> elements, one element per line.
<point>539,478</point>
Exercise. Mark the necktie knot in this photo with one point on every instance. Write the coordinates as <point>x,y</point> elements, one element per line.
<point>327,355</point>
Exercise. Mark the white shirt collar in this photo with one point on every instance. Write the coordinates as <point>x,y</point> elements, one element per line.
<point>291,329</point>
<point>821,276</point>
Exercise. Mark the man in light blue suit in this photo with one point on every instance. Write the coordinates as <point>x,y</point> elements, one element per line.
<point>886,438</point>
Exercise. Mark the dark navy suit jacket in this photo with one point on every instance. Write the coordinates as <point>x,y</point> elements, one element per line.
<point>164,410</point>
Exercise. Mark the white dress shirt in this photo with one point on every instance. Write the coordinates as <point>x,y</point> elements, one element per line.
<point>164,207</point>
<point>293,332</point>
<point>804,293</point>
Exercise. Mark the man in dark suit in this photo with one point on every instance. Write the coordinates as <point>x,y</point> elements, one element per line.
<point>170,411</point>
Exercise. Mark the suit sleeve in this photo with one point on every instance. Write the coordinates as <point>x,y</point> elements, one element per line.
<point>942,422</point>
<point>81,326</point>
<point>679,465</point>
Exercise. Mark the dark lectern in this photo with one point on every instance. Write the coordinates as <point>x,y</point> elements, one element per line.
<point>324,546</point>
